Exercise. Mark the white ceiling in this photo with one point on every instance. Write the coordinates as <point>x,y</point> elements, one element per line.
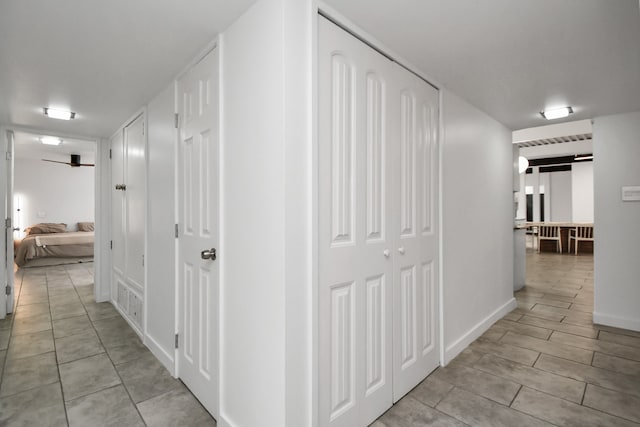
<point>101,59</point>
<point>513,58</point>
<point>104,60</point>
<point>28,146</point>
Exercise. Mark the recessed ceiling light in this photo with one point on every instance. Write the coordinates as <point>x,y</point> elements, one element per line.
<point>50,140</point>
<point>59,114</point>
<point>556,113</point>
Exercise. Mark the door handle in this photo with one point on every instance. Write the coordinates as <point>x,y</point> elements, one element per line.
<point>386,253</point>
<point>208,254</point>
<point>401,250</point>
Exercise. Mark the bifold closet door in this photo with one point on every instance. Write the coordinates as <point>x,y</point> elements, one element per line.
<point>378,236</point>
<point>414,124</point>
<point>355,237</point>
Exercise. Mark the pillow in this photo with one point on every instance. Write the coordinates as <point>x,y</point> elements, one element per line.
<point>46,228</point>
<point>85,226</point>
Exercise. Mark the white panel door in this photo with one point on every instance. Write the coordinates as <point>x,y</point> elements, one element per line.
<point>117,204</point>
<point>355,268</point>
<point>198,179</point>
<point>135,204</point>
<point>414,124</point>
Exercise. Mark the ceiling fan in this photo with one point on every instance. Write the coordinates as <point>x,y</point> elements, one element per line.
<point>74,163</point>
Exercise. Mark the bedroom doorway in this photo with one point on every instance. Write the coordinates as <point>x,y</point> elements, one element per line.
<point>51,200</point>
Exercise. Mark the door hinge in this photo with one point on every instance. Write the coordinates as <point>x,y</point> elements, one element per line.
<point>8,155</point>
<point>7,290</point>
<point>176,340</point>
<point>176,120</point>
<point>143,260</point>
<point>176,231</point>
<point>111,244</point>
<point>110,153</point>
<point>143,128</point>
<point>7,222</point>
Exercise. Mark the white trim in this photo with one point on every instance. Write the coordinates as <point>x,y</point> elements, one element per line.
<point>176,247</point>
<point>223,419</point>
<point>314,239</point>
<point>165,358</point>
<point>441,141</point>
<point>472,334</point>
<point>616,321</point>
<point>197,58</point>
<point>102,253</point>
<point>358,32</point>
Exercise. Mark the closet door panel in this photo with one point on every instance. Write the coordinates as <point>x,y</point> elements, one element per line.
<point>135,194</point>
<point>117,204</point>
<point>415,234</point>
<point>354,273</point>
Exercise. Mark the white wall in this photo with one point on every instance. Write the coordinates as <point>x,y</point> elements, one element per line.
<point>559,196</point>
<point>252,294</point>
<point>477,223</point>
<point>582,191</point>
<point>51,192</point>
<point>160,284</point>
<point>617,230</point>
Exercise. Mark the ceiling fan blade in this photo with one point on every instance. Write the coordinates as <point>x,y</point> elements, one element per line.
<point>55,161</point>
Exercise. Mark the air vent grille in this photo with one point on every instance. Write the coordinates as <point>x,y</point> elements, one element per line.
<point>558,140</point>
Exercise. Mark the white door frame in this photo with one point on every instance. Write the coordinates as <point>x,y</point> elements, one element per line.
<point>9,301</point>
<point>101,233</point>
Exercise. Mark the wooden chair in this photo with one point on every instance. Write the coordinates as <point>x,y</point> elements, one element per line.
<point>550,232</point>
<point>582,233</point>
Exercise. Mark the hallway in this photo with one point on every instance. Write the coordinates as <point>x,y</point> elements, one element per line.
<point>67,360</point>
<point>545,363</point>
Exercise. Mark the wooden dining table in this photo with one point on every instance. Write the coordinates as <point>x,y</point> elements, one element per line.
<point>565,228</point>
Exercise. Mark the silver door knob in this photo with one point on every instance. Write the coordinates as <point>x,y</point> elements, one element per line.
<point>208,254</point>
<point>401,250</point>
<point>386,253</point>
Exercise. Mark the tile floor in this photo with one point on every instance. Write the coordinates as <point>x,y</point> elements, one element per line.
<point>67,360</point>
<point>545,363</point>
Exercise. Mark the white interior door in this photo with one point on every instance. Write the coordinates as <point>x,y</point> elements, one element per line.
<point>198,277</point>
<point>9,228</point>
<point>355,235</point>
<point>117,205</point>
<point>415,266</point>
<point>135,201</point>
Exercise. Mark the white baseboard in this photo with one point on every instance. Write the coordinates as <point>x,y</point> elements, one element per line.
<point>616,321</point>
<point>463,342</point>
<point>165,358</point>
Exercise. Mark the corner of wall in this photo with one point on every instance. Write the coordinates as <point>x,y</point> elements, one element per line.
<point>475,332</point>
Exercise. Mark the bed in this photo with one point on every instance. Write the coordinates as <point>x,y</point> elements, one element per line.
<point>54,248</point>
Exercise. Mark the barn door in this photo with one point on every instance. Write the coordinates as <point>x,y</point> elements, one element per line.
<point>415,233</point>
<point>199,235</point>
<point>355,233</point>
